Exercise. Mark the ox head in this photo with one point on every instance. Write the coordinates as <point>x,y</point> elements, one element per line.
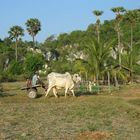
<point>76,78</point>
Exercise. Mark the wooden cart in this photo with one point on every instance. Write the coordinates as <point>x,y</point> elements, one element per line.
<point>32,91</point>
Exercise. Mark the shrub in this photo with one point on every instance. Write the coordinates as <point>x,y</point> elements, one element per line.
<point>33,63</point>
<point>61,66</point>
<point>7,77</point>
<point>16,68</point>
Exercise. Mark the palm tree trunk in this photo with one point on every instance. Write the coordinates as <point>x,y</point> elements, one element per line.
<point>116,81</point>
<point>98,31</point>
<point>98,35</point>
<point>16,50</point>
<point>108,78</point>
<point>131,37</point>
<point>33,41</point>
<point>131,76</point>
<point>119,48</point>
<point>131,65</point>
<point>97,80</point>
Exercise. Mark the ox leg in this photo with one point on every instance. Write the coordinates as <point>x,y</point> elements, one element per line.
<point>48,90</point>
<point>55,92</point>
<point>73,92</point>
<point>66,90</point>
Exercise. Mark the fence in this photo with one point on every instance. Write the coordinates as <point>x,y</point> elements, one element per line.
<point>91,87</point>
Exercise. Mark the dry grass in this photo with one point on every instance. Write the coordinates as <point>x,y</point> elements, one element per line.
<point>22,118</point>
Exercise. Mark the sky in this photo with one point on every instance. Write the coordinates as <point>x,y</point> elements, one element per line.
<point>56,16</point>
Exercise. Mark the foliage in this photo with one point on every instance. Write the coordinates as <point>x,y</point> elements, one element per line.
<point>80,66</point>
<point>7,77</point>
<point>16,68</point>
<point>33,27</point>
<point>6,52</point>
<point>61,66</point>
<point>33,62</point>
<point>131,58</point>
<point>14,34</point>
<point>98,57</point>
<point>97,13</point>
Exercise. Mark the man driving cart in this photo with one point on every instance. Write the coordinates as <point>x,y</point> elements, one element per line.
<point>31,85</point>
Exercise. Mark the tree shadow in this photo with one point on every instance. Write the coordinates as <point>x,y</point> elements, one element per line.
<point>39,95</point>
<point>69,94</point>
<point>87,93</point>
<point>4,94</point>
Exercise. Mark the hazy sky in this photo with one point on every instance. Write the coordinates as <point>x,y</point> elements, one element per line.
<point>56,16</point>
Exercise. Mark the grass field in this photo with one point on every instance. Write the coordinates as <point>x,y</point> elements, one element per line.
<point>114,116</point>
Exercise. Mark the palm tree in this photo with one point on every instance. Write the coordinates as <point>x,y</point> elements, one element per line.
<point>98,55</point>
<point>97,14</point>
<point>131,60</point>
<point>33,27</point>
<point>131,18</point>
<point>14,33</point>
<point>118,11</point>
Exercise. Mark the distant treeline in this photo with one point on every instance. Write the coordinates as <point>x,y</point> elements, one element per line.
<point>105,51</point>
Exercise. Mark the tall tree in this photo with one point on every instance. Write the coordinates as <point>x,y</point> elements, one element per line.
<point>98,55</point>
<point>118,11</point>
<point>14,33</point>
<point>131,60</point>
<point>131,17</point>
<point>97,14</point>
<point>33,27</point>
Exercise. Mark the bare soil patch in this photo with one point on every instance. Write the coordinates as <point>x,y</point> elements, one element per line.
<point>94,136</point>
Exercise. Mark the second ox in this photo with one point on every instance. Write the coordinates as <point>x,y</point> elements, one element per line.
<point>58,81</point>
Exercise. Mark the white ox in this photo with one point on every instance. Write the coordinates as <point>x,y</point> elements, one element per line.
<point>58,81</point>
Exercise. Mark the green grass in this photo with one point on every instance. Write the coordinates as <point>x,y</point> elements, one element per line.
<point>22,118</point>
<point>135,102</point>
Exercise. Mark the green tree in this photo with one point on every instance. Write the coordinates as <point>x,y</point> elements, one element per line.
<point>98,55</point>
<point>131,57</point>
<point>80,66</point>
<point>131,60</point>
<point>15,33</point>
<point>16,68</point>
<point>97,14</point>
<point>118,11</point>
<point>33,27</point>
<point>61,66</point>
<point>131,18</point>
<point>33,62</point>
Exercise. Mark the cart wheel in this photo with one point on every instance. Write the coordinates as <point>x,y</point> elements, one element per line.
<point>32,93</point>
